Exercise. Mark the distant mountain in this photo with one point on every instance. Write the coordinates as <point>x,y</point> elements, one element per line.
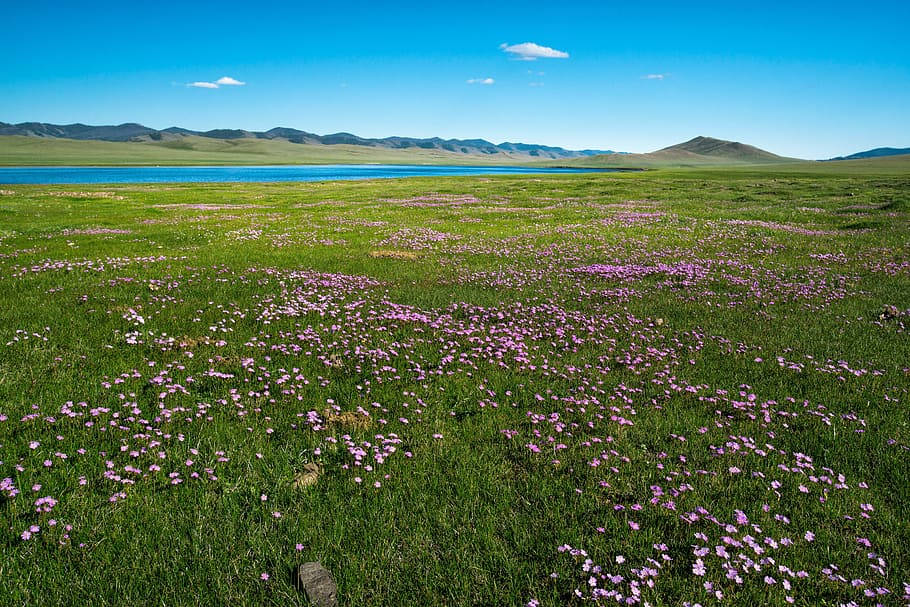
<point>700,151</point>
<point>121,132</point>
<point>132,132</point>
<point>719,148</point>
<point>876,153</point>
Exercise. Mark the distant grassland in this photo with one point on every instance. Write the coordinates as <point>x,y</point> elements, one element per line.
<point>36,151</point>
<point>880,165</point>
<point>673,158</point>
<point>884,166</point>
<point>204,151</point>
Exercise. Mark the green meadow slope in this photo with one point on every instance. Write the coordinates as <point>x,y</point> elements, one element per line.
<point>194,150</point>
<point>868,167</point>
<point>884,165</point>
<point>697,152</point>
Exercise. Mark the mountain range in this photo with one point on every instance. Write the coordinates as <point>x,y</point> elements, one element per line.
<point>137,133</point>
<point>876,153</point>
<point>38,143</point>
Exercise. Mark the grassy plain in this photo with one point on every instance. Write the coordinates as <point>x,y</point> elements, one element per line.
<point>665,386</point>
<point>37,151</point>
<point>894,165</point>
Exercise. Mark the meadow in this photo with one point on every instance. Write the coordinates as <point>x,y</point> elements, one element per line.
<point>662,388</point>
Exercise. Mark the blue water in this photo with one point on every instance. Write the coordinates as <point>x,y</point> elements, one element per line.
<point>196,174</point>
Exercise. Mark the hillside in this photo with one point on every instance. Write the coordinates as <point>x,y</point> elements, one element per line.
<point>133,144</point>
<point>697,152</point>
<point>137,133</point>
<point>195,150</point>
<point>726,150</point>
<point>876,153</point>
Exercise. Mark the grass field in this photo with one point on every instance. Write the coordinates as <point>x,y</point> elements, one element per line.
<point>663,388</point>
<point>894,165</point>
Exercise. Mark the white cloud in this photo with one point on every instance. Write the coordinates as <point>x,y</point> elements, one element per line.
<point>529,51</point>
<point>481,81</point>
<point>535,84</point>
<point>223,81</point>
<point>654,76</point>
<point>229,81</point>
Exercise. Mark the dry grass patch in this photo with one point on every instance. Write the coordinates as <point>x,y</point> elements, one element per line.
<point>186,341</point>
<point>347,419</point>
<point>209,207</point>
<point>107,195</point>
<point>308,476</point>
<point>393,254</point>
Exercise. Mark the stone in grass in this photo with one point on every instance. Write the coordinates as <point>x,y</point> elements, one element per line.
<point>318,584</point>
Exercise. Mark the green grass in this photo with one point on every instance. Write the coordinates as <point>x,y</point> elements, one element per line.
<point>662,366</point>
<point>887,165</point>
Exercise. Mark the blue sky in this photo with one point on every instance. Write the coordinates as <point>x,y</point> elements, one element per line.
<point>814,80</point>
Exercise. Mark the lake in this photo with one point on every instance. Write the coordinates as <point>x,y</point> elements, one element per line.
<point>209,174</point>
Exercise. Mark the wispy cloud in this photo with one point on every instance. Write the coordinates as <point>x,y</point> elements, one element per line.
<point>223,81</point>
<point>654,76</point>
<point>481,81</point>
<point>535,84</point>
<point>228,81</point>
<point>529,51</point>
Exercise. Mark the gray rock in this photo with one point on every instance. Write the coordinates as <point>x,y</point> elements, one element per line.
<point>318,584</point>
